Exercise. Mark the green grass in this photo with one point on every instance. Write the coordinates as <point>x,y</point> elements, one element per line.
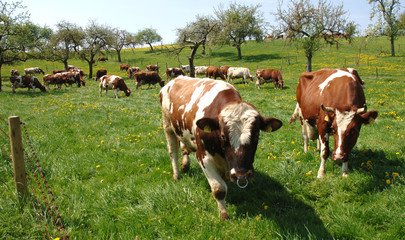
<point>107,163</point>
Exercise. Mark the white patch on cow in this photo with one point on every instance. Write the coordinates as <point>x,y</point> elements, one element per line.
<point>233,171</point>
<point>339,73</point>
<point>239,118</point>
<point>343,119</point>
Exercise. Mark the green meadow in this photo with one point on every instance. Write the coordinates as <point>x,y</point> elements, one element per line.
<point>107,164</point>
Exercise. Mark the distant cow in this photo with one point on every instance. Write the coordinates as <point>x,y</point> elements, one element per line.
<point>131,71</point>
<point>124,67</point>
<point>213,72</point>
<point>147,77</point>
<point>173,73</point>
<point>331,101</point>
<point>33,70</point>
<point>186,68</point>
<point>102,59</point>
<point>269,75</point>
<point>239,72</point>
<point>100,73</point>
<point>26,82</point>
<point>224,71</point>
<point>210,118</point>
<point>200,70</point>
<point>14,73</point>
<point>154,68</point>
<point>112,82</point>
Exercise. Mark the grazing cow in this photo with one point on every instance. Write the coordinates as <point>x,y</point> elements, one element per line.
<point>224,71</point>
<point>209,117</point>
<point>14,73</point>
<point>115,83</point>
<point>239,72</point>
<point>131,71</point>
<point>214,72</point>
<point>26,82</point>
<point>147,77</point>
<point>33,70</point>
<point>173,73</point>
<point>200,70</point>
<point>267,75</point>
<point>100,73</point>
<point>102,59</point>
<point>331,101</point>
<point>154,68</point>
<point>186,68</point>
<point>124,67</point>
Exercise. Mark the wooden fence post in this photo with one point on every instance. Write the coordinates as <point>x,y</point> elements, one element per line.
<point>17,155</point>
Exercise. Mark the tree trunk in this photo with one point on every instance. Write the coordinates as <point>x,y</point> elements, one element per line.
<point>309,63</point>
<point>65,63</point>
<point>151,48</point>
<point>191,59</point>
<point>119,55</point>
<point>392,47</point>
<point>239,52</point>
<point>203,49</point>
<point>90,68</point>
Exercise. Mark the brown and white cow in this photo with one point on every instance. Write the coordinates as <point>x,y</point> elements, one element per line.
<point>173,73</point>
<point>99,74</point>
<point>269,75</point>
<point>33,70</point>
<point>210,118</point>
<point>115,83</point>
<point>224,71</point>
<point>154,68</point>
<point>102,59</point>
<point>131,71</point>
<point>200,70</point>
<point>26,82</point>
<point>14,73</point>
<point>214,72</point>
<point>239,72</point>
<point>331,101</point>
<point>147,77</point>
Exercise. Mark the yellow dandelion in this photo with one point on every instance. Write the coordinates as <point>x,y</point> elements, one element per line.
<point>397,153</point>
<point>308,173</point>
<point>388,181</point>
<point>394,174</point>
<point>102,180</point>
<point>114,150</point>
<point>102,141</point>
<point>98,166</point>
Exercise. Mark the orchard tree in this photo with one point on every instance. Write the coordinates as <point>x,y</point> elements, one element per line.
<point>193,36</point>
<point>120,39</point>
<point>64,43</point>
<point>388,22</point>
<point>308,24</point>
<point>19,38</point>
<point>148,36</point>
<point>238,23</point>
<point>97,38</point>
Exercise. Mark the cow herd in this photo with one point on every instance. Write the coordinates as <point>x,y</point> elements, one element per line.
<point>209,117</point>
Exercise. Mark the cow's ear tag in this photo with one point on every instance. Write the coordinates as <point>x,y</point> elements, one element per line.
<point>327,118</point>
<point>207,129</point>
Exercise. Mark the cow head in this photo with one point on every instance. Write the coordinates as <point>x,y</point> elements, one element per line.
<point>238,127</point>
<point>345,125</point>
<point>162,83</point>
<point>128,92</point>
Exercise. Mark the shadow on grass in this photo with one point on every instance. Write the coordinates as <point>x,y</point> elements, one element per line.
<point>267,198</point>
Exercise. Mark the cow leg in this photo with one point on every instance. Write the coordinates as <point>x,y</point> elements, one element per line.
<point>116,93</point>
<point>217,184</point>
<point>345,166</point>
<point>324,154</point>
<point>172,147</point>
<point>185,164</point>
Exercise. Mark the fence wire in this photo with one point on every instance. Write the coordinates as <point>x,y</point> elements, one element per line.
<point>40,190</point>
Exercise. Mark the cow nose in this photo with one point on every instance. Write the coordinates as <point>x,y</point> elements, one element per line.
<point>338,156</point>
<point>241,178</point>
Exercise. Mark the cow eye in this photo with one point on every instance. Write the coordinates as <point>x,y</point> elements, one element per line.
<point>223,136</point>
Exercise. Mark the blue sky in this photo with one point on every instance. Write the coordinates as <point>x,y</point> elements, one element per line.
<point>163,15</point>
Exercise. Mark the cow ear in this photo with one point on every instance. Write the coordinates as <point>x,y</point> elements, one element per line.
<point>208,124</point>
<point>369,117</point>
<point>270,124</point>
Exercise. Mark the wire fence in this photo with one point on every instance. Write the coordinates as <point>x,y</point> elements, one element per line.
<point>39,192</point>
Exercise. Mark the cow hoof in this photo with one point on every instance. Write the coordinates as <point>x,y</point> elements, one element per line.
<point>224,215</point>
<point>176,177</point>
<point>185,168</point>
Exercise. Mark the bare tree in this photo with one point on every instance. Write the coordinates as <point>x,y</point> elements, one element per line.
<point>193,36</point>
<point>308,24</point>
<point>238,23</point>
<point>388,22</point>
<point>120,39</point>
<point>65,42</point>
<point>96,39</point>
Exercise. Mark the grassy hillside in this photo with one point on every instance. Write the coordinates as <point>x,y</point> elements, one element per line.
<point>107,163</point>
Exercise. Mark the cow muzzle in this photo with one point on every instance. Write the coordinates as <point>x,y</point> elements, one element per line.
<point>339,157</point>
<point>241,179</point>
